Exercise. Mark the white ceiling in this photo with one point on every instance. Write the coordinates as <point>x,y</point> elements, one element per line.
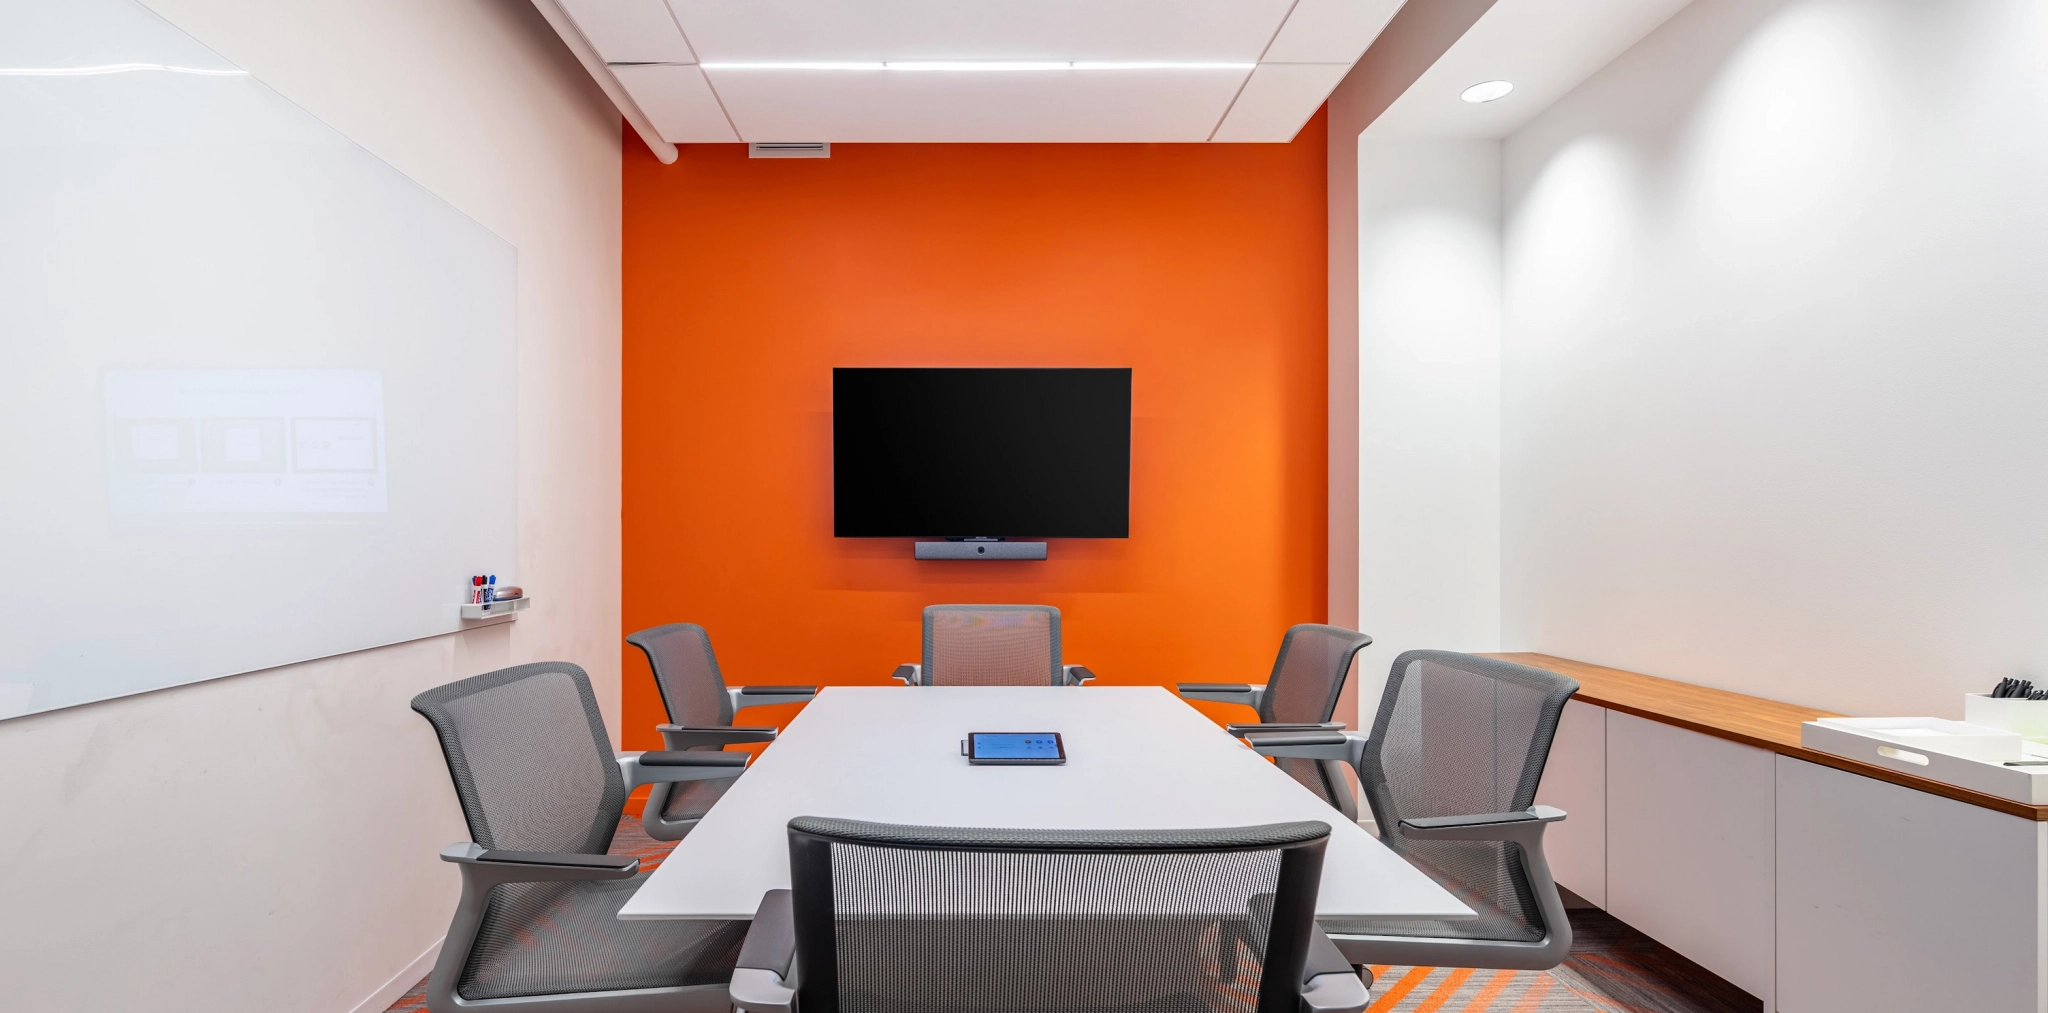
<point>1279,59</point>
<point>1544,47</point>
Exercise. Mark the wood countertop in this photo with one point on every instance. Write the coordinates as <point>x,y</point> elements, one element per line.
<point>1750,720</point>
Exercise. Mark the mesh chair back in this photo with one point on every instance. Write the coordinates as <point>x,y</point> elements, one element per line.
<point>532,764</point>
<point>1458,735</point>
<point>686,673</point>
<point>893,919</point>
<point>992,645</point>
<point>1308,675</point>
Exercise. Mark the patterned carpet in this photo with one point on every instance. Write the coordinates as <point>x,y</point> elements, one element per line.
<point>1612,969</point>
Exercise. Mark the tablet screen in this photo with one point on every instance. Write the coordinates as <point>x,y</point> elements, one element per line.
<point>1016,746</point>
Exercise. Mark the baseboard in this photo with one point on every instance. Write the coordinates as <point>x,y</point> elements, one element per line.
<point>400,983</point>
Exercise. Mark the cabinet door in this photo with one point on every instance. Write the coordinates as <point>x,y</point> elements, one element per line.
<point>1575,780</point>
<point>1689,846</point>
<point>1894,899</point>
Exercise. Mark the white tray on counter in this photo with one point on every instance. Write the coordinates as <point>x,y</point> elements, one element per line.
<point>1908,745</point>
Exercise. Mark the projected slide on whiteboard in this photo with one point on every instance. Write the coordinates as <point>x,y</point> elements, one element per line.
<point>258,387</point>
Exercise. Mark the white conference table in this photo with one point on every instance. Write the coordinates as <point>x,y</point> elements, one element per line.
<point>1137,757</point>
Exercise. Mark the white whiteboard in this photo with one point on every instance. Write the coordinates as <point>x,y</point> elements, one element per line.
<point>257,403</point>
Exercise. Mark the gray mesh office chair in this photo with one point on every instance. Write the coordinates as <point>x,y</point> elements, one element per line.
<point>1300,695</point>
<point>537,927</point>
<point>894,919</point>
<point>700,709</point>
<point>992,645</point>
<point>1450,770</point>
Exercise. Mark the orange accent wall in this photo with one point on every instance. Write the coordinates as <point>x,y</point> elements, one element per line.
<point>1201,267</point>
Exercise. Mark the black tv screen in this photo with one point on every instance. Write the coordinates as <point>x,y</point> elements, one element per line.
<point>981,453</point>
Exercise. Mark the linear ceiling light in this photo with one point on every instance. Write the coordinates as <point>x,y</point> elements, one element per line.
<point>1486,91</point>
<point>972,66</point>
<point>113,68</point>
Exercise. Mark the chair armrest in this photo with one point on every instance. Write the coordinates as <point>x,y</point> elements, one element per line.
<point>1329,984</point>
<point>1482,826</point>
<point>909,675</point>
<point>1077,674</point>
<point>1223,692</point>
<point>763,979</point>
<point>1321,726</point>
<point>492,866</point>
<point>691,758</point>
<point>677,737</point>
<point>762,696</point>
<point>1348,747</point>
<point>668,766</point>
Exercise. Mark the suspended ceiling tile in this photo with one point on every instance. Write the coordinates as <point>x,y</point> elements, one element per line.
<point>1330,31</point>
<point>990,106</point>
<point>630,31</point>
<point>1278,99</point>
<point>1175,30</point>
<point>678,101</point>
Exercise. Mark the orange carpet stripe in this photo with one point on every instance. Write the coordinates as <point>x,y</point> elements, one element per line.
<point>1451,983</point>
<point>1489,992</point>
<point>1534,997</point>
<point>1400,990</point>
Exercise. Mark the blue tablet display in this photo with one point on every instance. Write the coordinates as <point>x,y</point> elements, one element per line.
<point>1016,747</point>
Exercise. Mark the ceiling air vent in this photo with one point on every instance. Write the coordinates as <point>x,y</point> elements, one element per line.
<point>789,149</point>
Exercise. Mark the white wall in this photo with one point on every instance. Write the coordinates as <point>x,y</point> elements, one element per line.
<point>1429,310</point>
<point>1774,366</point>
<point>1404,50</point>
<point>266,842</point>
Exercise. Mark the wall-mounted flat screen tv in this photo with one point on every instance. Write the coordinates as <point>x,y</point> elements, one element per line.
<point>981,453</point>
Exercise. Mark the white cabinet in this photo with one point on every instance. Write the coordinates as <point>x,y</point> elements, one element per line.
<point>1575,780</point>
<point>1690,851</point>
<point>1895,899</point>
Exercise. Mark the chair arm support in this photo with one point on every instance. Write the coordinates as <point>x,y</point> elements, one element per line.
<point>1077,674</point>
<point>763,979</point>
<point>1223,692</point>
<point>668,767</point>
<point>762,696</point>
<point>1329,984</point>
<point>1522,827</point>
<point>1348,747</point>
<point>1321,726</point>
<point>677,737</point>
<point>485,867</point>
<point>909,675</point>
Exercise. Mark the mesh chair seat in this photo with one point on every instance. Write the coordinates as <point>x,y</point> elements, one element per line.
<point>550,938</point>
<point>691,800</point>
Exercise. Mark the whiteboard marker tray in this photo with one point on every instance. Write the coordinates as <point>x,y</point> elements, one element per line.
<point>1909,746</point>
<point>498,608</point>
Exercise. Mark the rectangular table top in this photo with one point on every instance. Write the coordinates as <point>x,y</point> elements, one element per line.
<point>1138,757</point>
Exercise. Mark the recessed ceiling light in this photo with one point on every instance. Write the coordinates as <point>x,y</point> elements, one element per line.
<point>1486,91</point>
<point>980,66</point>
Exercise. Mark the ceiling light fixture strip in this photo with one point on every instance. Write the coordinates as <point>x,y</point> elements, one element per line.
<point>116,68</point>
<point>974,66</point>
